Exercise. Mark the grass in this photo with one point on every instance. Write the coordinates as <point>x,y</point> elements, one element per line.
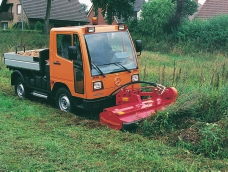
<point>198,120</point>
<point>35,136</point>
<point>186,137</point>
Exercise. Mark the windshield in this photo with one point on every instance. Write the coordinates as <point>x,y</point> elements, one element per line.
<point>110,52</point>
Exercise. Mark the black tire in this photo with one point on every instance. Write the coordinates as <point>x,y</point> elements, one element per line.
<point>20,88</point>
<point>64,100</point>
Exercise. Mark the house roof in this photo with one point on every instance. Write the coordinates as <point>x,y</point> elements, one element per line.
<point>213,8</point>
<point>138,5</point>
<point>60,10</point>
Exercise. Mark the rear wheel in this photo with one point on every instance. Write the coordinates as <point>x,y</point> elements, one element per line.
<point>64,100</point>
<point>20,88</point>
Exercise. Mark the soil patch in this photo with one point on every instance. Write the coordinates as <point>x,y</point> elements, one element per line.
<point>190,135</point>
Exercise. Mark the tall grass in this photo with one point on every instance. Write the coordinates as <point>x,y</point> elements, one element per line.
<point>196,121</point>
<point>31,39</point>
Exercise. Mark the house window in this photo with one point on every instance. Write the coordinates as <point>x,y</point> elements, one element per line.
<point>4,25</point>
<point>19,9</point>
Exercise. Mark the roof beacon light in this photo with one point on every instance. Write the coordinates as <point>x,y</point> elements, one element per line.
<point>122,27</point>
<point>94,21</point>
<point>90,29</point>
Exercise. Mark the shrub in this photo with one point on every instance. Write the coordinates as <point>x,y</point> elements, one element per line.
<point>38,26</point>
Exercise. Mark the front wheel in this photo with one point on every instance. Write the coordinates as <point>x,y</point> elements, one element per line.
<point>64,100</point>
<point>20,88</point>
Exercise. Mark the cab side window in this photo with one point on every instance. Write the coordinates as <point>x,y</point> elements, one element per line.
<point>79,54</point>
<point>63,42</point>
<point>78,65</point>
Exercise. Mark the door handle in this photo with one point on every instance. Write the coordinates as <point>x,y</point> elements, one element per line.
<point>57,63</point>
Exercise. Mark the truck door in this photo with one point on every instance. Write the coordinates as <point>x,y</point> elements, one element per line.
<point>62,66</point>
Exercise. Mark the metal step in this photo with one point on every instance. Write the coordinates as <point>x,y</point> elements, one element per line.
<point>38,94</point>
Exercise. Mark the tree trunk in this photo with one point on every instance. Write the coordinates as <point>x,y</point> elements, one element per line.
<point>46,20</point>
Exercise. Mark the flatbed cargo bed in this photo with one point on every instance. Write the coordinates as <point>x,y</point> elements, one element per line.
<point>24,60</point>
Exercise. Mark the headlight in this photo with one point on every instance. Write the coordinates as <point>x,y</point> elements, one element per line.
<point>97,85</point>
<point>134,78</point>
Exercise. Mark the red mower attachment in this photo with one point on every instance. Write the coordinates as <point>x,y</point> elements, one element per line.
<point>133,105</point>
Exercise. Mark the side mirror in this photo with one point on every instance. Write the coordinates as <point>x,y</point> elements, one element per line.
<point>72,52</point>
<point>138,44</point>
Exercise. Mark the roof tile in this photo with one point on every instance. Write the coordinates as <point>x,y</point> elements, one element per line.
<point>60,10</point>
<point>213,8</point>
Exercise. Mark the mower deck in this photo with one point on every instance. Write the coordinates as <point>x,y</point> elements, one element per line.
<point>131,108</point>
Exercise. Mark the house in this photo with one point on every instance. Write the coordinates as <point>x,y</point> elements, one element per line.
<point>101,20</point>
<point>10,10</point>
<point>63,12</point>
<point>212,8</point>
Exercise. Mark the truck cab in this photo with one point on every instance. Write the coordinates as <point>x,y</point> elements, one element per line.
<point>82,67</point>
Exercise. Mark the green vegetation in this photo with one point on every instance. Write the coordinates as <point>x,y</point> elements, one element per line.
<point>165,28</point>
<point>31,39</point>
<point>38,26</point>
<point>189,136</point>
<point>35,136</point>
<point>111,8</point>
<point>198,120</point>
<point>155,15</point>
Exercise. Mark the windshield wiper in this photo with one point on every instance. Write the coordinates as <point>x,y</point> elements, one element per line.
<point>118,64</point>
<point>98,69</point>
<point>93,63</point>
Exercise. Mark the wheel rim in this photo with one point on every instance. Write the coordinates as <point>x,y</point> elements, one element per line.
<point>20,90</point>
<point>64,103</point>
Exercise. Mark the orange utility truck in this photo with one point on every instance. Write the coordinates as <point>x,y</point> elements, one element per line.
<point>90,67</point>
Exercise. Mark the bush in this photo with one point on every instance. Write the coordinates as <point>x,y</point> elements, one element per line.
<point>18,26</point>
<point>38,26</point>
<point>198,36</point>
<point>211,34</point>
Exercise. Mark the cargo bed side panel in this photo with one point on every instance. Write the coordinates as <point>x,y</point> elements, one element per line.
<point>22,64</point>
<point>20,61</point>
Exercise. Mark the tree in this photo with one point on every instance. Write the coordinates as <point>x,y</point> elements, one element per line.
<point>47,17</point>
<point>110,8</point>
<point>155,14</point>
<point>183,9</point>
